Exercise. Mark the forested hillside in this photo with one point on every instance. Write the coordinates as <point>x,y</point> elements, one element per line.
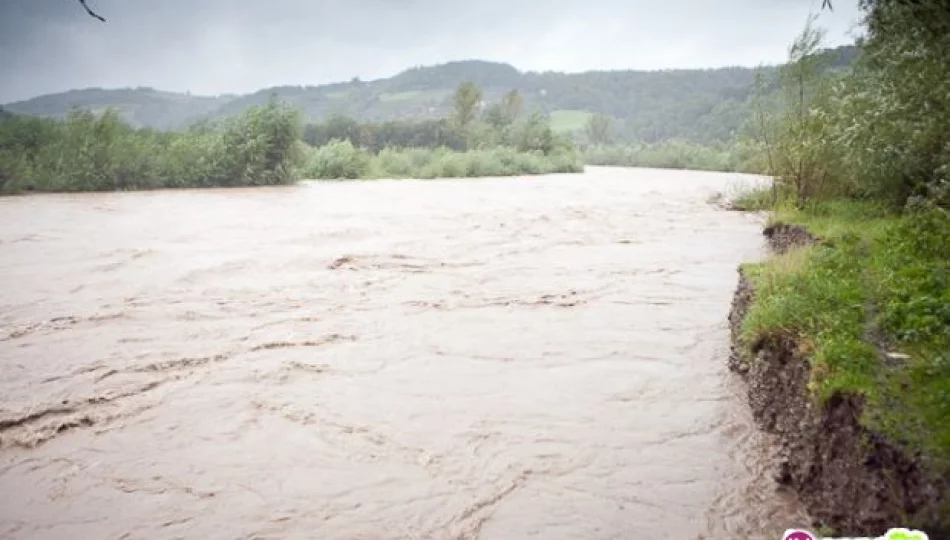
<point>141,107</point>
<point>702,106</point>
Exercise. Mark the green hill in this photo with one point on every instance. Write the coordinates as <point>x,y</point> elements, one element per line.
<point>142,107</point>
<point>701,105</point>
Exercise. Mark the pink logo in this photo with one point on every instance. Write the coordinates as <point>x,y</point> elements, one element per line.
<point>797,534</point>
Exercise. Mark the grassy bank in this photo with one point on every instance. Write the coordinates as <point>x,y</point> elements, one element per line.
<point>733,157</point>
<point>341,160</point>
<point>870,308</point>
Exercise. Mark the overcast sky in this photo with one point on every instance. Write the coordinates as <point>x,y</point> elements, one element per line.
<point>235,46</point>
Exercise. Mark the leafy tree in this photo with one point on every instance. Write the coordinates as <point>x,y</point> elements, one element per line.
<point>796,141</point>
<point>504,113</point>
<point>495,116</point>
<point>534,134</point>
<point>511,105</point>
<point>598,129</point>
<point>466,99</point>
<point>892,112</point>
<point>336,127</point>
<point>87,152</point>
<point>377,136</point>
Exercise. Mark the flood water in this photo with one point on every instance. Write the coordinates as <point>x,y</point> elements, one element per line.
<point>496,359</point>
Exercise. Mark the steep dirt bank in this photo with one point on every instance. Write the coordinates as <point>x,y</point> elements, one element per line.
<point>847,477</point>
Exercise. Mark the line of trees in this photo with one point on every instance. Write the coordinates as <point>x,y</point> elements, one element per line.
<point>476,140</point>
<point>268,145</point>
<point>89,152</point>
<point>473,125</point>
<point>377,136</point>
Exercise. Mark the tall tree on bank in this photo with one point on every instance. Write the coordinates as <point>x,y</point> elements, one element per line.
<point>467,97</point>
<point>506,112</point>
<point>896,104</point>
<point>512,104</point>
<point>796,141</point>
<point>598,129</point>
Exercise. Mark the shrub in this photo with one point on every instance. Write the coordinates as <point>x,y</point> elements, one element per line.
<point>337,160</point>
<point>88,152</point>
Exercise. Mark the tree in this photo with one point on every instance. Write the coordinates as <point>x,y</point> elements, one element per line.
<point>511,105</point>
<point>261,144</point>
<point>534,134</point>
<point>466,99</point>
<point>496,118</point>
<point>797,141</point>
<point>598,129</point>
<point>892,111</point>
<point>501,115</point>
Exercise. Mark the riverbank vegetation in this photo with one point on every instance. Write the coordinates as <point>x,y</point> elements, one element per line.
<point>268,145</point>
<point>499,141</point>
<point>342,160</point>
<point>678,154</point>
<point>861,161</point>
<point>89,152</point>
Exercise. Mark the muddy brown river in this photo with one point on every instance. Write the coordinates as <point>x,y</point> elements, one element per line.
<point>459,359</point>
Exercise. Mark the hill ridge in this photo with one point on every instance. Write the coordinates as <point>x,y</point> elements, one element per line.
<point>646,104</point>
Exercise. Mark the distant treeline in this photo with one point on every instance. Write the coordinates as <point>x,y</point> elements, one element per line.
<point>679,154</point>
<point>377,136</point>
<point>474,141</point>
<point>267,145</point>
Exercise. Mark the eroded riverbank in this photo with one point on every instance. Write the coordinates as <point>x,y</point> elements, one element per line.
<point>852,476</point>
<point>452,359</point>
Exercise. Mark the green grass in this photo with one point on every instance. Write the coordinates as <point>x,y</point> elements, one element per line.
<point>566,121</point>
<point>754,200</point>
<point>879,284</point>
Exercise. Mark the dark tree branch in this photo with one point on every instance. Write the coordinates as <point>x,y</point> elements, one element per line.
<point>96,15</point>
<point>827,4</point>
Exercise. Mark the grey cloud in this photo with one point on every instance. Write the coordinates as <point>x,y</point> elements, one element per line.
<point>222,46</point>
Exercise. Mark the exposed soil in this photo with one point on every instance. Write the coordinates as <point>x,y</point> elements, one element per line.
<point>847,477</point>
<point>783,237</point>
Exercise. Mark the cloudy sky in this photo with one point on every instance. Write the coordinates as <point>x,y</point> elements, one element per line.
<point>234,46</point>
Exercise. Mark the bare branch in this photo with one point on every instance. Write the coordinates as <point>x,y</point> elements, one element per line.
<point>93,13</point>
<point>827,4</point>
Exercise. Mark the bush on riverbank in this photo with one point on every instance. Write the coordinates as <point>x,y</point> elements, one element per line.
<point>341,160</point>
<point>88,152</point>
